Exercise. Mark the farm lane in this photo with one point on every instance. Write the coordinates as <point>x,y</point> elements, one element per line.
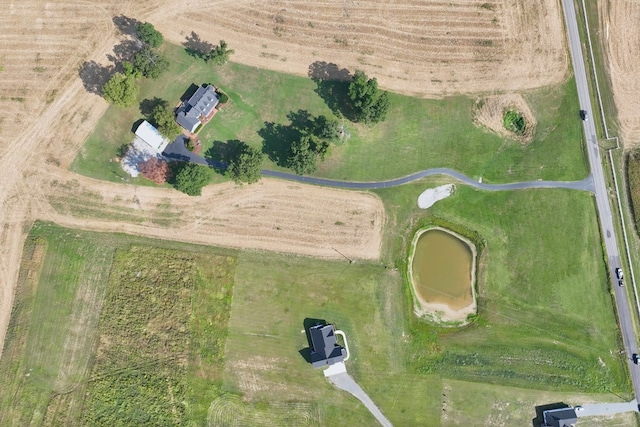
<point>601,192</point>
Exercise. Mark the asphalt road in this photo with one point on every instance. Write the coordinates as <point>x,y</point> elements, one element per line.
<point>601,191</point>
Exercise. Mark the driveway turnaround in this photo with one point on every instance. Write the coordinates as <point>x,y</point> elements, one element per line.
<point>344,382</point>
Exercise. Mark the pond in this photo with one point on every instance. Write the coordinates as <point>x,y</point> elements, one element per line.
<point>443,273</point>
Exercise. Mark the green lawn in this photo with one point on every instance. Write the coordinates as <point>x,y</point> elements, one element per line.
<point>171,338</point>
<point>418,133</point>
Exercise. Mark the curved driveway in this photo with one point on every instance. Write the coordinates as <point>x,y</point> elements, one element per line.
<point>585,185</point>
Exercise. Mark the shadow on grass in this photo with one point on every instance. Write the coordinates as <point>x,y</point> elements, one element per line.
<point>308,323</point>
<point>147,106</point>
<point>277,140</point>
<point>538,421</point>
<point>196,47</point>
<point>222,153</point>
<point>332,85</point>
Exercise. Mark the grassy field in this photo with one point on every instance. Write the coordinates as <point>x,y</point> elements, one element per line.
<point>100,329</point>
<point>418,133</point>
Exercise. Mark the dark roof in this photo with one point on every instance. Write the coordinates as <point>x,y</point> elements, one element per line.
<point>563,417</point>
<point>326,350</point>
<point>201,103</point>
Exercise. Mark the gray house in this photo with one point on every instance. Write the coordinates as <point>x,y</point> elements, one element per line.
<point>325,350</point>
<point>199,107</point>
<point>563,417</point>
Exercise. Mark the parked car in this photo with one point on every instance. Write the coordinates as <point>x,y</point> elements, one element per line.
<point>620,283</point>
<point>634,357</point>
<point>619,273</point>
<point>583,115</point>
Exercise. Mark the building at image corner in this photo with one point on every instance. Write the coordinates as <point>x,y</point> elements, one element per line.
<point>325,350</point>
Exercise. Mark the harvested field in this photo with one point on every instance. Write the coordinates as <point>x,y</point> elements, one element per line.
<point>425,48</point>
<point>490,114</point>
<point>619,23</point>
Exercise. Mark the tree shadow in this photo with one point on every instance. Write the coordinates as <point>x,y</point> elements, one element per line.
<point>125,51</point>
<point>196,47</point>
<point>277,140</point>
<point>308,323</point>
<point>301,119</point>
<point>538,421</point>
<point>94,76</point>
<point>332,85</point>
<point>126,25</point>
<point>148,105</point>
<point>189,92</point>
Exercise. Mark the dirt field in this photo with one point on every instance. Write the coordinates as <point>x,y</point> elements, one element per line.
<point>429,49</point>
<point>619,24</point>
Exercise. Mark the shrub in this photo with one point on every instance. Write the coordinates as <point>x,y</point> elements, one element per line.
<point>514,122</point>
<point>156,170</point>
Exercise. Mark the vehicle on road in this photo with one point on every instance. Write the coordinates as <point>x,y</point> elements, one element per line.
<point>583,115</point>
<point>619,273</point>
<point>620,283</point>
<point>634,357</point>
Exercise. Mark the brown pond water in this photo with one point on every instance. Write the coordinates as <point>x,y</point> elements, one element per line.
<point>442,268</point>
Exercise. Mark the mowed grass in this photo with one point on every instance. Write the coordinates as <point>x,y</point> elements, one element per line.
<point>545,310</point>
<point>418,133</point>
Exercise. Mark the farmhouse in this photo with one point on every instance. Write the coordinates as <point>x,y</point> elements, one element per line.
<point>325,350</point>
<point>150,136</point>
<point>198,108</point>
<point>563,417</point>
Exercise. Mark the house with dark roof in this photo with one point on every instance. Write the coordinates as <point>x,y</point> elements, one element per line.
<point>325,350</point>
<point>563,417</point>
<point>198,108</point>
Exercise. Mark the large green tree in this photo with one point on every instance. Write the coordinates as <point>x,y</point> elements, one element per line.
<point>219,54</point>
<point>164,120</point>
<point>150,63</point>
<point>192,178</point>
<point>303,157</point>
<point>148,34</point>
<point>121,90</point>
<point>245,163</point>
<point>370,104</point>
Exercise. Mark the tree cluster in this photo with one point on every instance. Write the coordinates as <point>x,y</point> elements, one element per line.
<point>219,55</point>
<point>164,120</point>
<point>369,104</point>
<point>192,178</point>
<point>122,88</point>
<point>244,163</point>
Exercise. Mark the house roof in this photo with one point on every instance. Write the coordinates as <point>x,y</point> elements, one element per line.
<point>201,103</point>
<point>563,417</point>
<point>326,350</point>
<point>150,135</point>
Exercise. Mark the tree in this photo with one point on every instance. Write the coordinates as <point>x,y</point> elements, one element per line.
<point>192,178</point>
<point>120,90</point>
<point>148,34</point>
<point>245,163</point>
<point>164,120</point>
<point>303,157</point>
<point>326,129</point>
<point>150,63</point>
<point>220,54</point>
<point>156,170</point>
<point>370,105</point>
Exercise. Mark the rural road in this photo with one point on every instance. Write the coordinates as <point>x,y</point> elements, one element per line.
<point>601,191</point>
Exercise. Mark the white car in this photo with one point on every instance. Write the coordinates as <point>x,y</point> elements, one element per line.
<point>619,273</point>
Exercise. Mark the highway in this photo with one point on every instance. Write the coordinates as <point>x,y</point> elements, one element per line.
<point>601,191</point>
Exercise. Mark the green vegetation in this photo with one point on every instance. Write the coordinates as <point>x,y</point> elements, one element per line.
<point>121,90</point>
<point>191,178</point>
<point>514,122</point>
<point>370,104</point>
<point>220,54</point>
<point>150,63</point>
<point>417,134</point>
<point>633,178</point>
<point>164,120</point>
<point>245,163</point>
<point>148,34</point>
<point>200,357</point>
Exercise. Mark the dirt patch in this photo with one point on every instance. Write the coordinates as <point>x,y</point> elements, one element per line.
<point>489,113</point>
<point>621,37</point>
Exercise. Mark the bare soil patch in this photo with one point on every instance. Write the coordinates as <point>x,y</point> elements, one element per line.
<point>621,36</point>
<point>489,113</point>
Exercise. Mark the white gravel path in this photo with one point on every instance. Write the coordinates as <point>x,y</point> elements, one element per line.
<point>432,195</point>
